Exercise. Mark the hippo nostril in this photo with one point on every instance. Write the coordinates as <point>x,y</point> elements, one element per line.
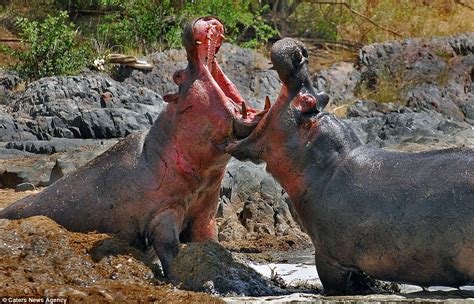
<point>307,102</point>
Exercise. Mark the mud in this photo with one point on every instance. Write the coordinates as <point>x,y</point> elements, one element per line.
<point>40,258</point>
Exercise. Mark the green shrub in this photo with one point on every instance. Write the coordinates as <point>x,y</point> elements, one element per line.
<point>243,23</point>
<point>149,25</point>
<point>51,48</point>
<point>320,21</point>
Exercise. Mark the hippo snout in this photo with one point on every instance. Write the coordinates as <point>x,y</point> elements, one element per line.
<point>322,99</point>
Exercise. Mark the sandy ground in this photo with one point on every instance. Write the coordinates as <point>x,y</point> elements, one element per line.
<point>8,196</point>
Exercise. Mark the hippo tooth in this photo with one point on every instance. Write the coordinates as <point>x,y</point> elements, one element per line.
<point>198,42</point>
<point>244,110</point>
<point>268,103</point>
<point>222,36</point>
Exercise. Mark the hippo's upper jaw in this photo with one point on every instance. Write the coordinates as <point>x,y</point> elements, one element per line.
<point>204,85</point>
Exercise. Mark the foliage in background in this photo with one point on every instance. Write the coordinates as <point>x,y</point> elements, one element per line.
<point>320,21</point>
<point>151,25</point>
<point>139,27</point>
<point>409,18</point>
<point>52,48</point>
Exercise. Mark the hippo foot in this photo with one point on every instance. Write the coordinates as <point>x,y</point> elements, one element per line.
<point>358,283</point>
<point>338,280</point>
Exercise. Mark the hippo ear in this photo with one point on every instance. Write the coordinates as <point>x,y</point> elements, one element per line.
<point>323,100</point>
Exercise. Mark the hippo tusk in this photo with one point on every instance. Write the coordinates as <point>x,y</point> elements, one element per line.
<point>268,103</point>
<point>198,42</point>
<point>222,36</point>
<point>244,110</point>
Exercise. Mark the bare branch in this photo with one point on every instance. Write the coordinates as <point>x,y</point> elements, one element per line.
<point>10,40</point>
<point>347,6</point>
<point>464,4</point>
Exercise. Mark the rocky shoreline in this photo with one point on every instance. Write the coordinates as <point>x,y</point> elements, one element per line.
<point>57,124</point>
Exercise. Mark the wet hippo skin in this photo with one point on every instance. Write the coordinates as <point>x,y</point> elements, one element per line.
<point>160,186</point>
<point>403,217</point>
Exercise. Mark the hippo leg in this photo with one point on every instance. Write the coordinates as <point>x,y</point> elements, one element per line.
<point>333,278</point>
<point>164,236</point>
<point>337,280</point>
<point>204,221</point>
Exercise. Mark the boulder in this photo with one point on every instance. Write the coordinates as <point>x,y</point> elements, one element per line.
<point>86,106</point>
<point>339,82</point>
<point>434,74</point>
<point>252,205</point>
<point>395,126</point>
<point>43,169</point>
<point>210,267</point>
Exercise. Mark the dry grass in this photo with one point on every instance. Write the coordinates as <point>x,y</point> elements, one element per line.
<point>388,88</point>
<point>9,196</point>
<point>409,18</point>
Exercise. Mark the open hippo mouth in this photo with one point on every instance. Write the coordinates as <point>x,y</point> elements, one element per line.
<point>297,106</point>
<point>203,43</point>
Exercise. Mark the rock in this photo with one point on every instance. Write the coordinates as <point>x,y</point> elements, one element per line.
<point>253,205</point>
<point>210,267</point>
<point>9,80</point>
<point>24,187</point>
<point>390,125</point>
<point>434,74</point>
<point>42,170</point>
<point>339,82</point>
<point>12,154</point>
<point>87,106</point>
<point>10,129</point>
<point>56,145</point>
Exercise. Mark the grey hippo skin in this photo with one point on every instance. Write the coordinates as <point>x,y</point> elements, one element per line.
<point>158,186</point>
<point>403,217</point>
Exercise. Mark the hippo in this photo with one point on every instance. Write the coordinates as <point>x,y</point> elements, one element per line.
<point>370,213</point>
<point>159,187</point>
